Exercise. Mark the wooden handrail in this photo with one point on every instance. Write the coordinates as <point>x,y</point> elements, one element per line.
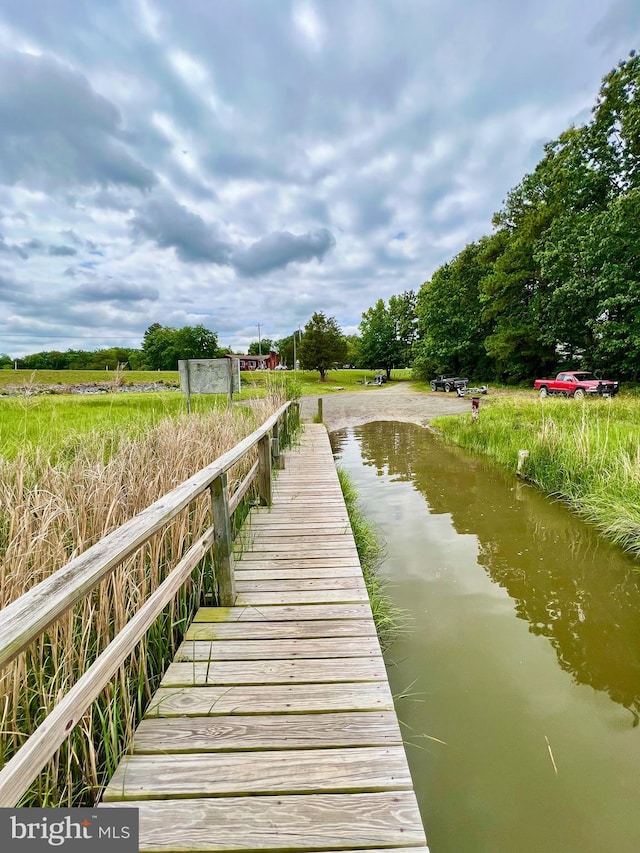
<point>22,621</point>
<point>25,619</point>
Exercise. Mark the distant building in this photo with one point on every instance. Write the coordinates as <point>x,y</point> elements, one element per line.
<point>257,362</point>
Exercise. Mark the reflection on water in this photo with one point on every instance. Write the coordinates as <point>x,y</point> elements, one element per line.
<point>572,587</point>
<point>508,591</point>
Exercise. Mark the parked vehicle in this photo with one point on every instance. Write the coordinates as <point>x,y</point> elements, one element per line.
<point>448,383</point>
<point>578,384</point>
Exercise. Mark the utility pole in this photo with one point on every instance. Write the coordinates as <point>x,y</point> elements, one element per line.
<point>259,340</point>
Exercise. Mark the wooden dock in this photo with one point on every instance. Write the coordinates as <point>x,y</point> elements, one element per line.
<point>274,728</point>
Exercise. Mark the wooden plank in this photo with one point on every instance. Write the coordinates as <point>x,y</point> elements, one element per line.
<point>333,574</point>
<point>345,553</point>
<point>300,822</point>
<point>332,647</point>
<point>299,731</point>
<point>295,537</point>
<point>285,612</point>
<point>299,584</point>
<point>302,596</point>
<point>313,771</point>
<point>290,562</point>
<point>264,672</point>
<point>275,699</point>
<point>334,545</point>
<point>292,630</point>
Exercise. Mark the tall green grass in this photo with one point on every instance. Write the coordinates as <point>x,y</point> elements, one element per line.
<point>586,453</point>
<point>386,615</point>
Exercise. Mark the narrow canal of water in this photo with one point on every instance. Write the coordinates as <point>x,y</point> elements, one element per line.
<point>521,651</point>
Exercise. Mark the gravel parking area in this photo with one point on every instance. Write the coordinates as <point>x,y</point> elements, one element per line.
<point>392,402</point>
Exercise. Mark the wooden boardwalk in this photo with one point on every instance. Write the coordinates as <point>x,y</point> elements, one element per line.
<point>274,728</point>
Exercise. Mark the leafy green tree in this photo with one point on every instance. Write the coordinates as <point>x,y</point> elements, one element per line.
<point>354,354</point>
<point>451,328</point>
<point>379,347</point>
<point>322,346</point>
<point>6,361</point>
<point>284,347</point>
<point>402,309</point>
<point>262,347</point>
<point>164,346</point>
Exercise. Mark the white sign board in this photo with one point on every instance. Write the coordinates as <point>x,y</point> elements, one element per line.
<point>209,376</point>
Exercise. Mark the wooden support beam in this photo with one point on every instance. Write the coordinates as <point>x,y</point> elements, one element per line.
<point>264,470</point>
<point>223,551</point>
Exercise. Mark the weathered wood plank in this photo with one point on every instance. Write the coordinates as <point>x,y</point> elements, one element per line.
<point>313,771</point>
<point>299,731</point>
<point>302,596</point>
<point>289,562</point>
<point>292,537</point>
<point>264,672</point>
<point>332,647</point>
<point>287,630</point>
<point>321,573</point>
<point>301,822</point>
<point>334,545</point>
<point>299,584</point>
<point>280,613</point>
<point>275,699</point>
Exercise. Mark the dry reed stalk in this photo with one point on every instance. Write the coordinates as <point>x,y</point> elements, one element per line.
<point>49,514</point>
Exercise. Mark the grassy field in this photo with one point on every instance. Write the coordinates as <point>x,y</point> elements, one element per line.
<point>586,453</point>
<point>29,378</point>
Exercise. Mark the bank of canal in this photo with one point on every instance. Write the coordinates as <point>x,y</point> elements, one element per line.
<point>521,651</point>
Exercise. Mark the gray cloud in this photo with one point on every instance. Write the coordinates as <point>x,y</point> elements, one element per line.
<point>280,249</point>
<point>62,251</point>
<point>56,130</point>
<point>171,225</point>
<point>111,291</point>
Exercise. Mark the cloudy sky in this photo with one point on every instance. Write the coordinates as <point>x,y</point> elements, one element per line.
<point>245,162</point>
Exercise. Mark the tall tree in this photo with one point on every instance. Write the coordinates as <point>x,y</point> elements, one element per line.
<point>451,328</point>
<point>402,309</point>
<point>322,346</point>
<point>379,348</point>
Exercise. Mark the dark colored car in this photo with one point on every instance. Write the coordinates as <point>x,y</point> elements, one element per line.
<point>448,383</point>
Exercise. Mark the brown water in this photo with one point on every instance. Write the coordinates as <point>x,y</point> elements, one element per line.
<point>521,651</point>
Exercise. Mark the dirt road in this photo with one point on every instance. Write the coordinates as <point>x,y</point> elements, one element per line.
<point>393,402</point>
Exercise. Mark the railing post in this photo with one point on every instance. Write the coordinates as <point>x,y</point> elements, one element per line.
<point>275,446</point>
<point>264,470</point>
<point>319,415</point>
<point>222,552</point>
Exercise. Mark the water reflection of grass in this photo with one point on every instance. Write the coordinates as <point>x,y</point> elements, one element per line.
<point>586,453</point>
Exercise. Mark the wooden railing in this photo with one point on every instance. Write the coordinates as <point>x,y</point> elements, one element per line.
<point>25,619</point>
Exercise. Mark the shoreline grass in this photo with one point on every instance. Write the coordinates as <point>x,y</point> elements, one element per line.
<point>386,615</point>
<point>585,454</point>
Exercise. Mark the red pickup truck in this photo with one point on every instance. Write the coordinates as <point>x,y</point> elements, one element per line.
<point>578,384</point>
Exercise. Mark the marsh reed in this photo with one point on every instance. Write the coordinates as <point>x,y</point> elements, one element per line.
<point>51,512</point>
